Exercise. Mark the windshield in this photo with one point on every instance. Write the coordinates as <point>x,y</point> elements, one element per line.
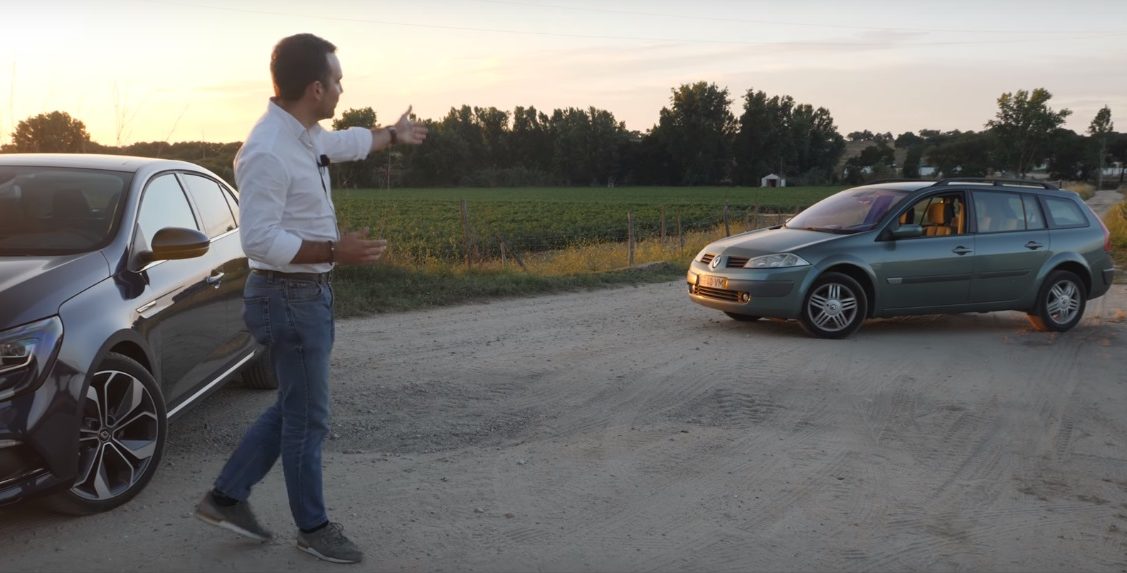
<point>58,211</point>
<point>850,211</point>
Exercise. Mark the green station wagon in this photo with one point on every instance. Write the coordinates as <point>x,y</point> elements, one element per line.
<point>919,247</point>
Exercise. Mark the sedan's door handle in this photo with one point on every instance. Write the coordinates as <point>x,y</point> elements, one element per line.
<point>961,250</point>
<point>215,279</point>
<point>1033,245</point>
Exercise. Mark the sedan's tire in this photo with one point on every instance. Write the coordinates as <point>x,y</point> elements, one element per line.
<point>742,317</point>
<point>1060,303</point>
<point>259,374</point>
<point>834,307</point>
<point>121,438</point>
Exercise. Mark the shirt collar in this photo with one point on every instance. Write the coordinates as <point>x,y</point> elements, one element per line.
<point>277,113</point>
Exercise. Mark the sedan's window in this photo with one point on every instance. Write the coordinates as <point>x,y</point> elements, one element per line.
<point>1065,213</point>
<point>207,195</point>
<point>998,212</point>
<point>849,211</point>
<point>53,210</point>
<point>164,205</point>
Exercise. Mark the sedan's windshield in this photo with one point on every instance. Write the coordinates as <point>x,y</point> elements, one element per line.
<point>850,211</point>
<point>55,210</point>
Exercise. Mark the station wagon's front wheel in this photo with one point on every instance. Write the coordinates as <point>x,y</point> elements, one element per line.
<point>834,307</point>
<point>1060,304</point>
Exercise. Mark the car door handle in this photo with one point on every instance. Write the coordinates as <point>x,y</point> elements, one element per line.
<point>215,279</point>
<point>961,250</point>
<point>1033,245</point>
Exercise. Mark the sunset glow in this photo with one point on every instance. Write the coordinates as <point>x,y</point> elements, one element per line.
<point>182,70</point>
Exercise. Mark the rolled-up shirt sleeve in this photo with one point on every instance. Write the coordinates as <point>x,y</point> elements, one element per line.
<point>263,181</point>
<point>352,144</point>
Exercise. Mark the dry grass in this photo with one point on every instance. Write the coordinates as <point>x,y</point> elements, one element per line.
<point>1116,221</point>
<point>1081,188</point>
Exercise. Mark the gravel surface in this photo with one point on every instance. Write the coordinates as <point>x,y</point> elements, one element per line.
<point>630,430</point>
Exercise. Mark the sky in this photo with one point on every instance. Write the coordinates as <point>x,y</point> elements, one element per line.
<point>192,70</point>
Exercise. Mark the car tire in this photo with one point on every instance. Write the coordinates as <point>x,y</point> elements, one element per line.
<point>835,306</point>
<point>121,438</point>
<point>742,317</point>
<point>259,374</point>
<point>1060,303</point>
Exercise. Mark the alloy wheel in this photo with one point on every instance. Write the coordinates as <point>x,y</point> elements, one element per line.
<point>119,435</point>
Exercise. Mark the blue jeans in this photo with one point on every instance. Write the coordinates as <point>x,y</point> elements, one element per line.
<point>293,318</point>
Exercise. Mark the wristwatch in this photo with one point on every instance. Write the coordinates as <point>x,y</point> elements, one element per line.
<point>394,136</point>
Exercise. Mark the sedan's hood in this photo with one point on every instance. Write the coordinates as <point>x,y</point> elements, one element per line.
<point>32,288</point>
<point>770,241</point>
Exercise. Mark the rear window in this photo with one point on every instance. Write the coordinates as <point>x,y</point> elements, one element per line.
<point>1064,213</point>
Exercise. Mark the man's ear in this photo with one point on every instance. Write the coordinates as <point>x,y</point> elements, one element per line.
<point>315,89</point>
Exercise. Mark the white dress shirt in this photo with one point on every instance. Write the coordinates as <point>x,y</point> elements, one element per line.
<point>284,196</point>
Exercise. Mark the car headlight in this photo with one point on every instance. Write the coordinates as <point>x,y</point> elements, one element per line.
<point>776,261</point>
<point>25,352</point>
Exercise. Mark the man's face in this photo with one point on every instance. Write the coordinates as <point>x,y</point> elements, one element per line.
<point>331,89</point>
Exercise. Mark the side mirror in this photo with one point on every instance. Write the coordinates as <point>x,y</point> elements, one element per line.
<point>907,231</point>
<point>178,243</point>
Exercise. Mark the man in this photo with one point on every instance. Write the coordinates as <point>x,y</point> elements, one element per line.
<point>289,232</point>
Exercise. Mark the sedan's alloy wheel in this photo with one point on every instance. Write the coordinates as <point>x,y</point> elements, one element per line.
<point>119,436</point>
<point>1063,302</point>
<point>122,428</point>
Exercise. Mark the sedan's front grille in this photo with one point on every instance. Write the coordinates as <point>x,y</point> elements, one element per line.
<point>707,258</point>
<point>736,262</point>
<point>718,293</point>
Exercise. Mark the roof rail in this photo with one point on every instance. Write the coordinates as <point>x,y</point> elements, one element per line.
<point>895,180</point>
<point>996,182</point>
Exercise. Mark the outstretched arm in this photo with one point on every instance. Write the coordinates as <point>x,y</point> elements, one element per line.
<point>405,131</point>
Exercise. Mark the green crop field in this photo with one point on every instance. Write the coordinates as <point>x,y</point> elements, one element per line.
<point>427,224</point>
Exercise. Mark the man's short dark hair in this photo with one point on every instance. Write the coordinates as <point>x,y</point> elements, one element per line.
<point>298,61</point>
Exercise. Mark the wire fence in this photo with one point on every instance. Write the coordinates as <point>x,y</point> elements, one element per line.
<point>513,233</point>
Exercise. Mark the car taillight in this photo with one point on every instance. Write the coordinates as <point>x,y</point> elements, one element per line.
<point>1107,236</point>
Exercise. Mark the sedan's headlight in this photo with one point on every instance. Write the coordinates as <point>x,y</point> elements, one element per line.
<point>25,352</point>
<point>776,261</point>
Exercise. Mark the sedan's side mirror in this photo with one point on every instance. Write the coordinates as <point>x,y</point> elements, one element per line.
<point>907,231</point>
<point>176,243</point>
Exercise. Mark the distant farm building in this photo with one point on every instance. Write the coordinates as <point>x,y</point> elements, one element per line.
<point>773,180</point>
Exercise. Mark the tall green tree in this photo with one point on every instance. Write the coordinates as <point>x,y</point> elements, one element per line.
<point>530,140</point>
<point>697,130</point>
<point>372,171</point>
<point>54,132</point>
<point>964,154</point>
<point>1023,125</point>
<point>1070,156</point>
<point>1100,128</point>
<point>776,135</point>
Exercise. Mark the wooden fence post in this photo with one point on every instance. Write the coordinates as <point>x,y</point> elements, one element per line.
<point>466,232</point>
<point>680,234</point>
<point>663,227</point>
<point>629,238</point>
<point>727,230</point>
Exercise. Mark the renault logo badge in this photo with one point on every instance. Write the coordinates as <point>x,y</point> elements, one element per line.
<point>715,263</point>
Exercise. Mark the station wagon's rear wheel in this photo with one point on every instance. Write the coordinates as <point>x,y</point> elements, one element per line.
<point>834,307</point>
<point>121,438</point>
<point>1060,304</point>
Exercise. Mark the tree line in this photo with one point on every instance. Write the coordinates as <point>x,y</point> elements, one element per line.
<point>697,141</point>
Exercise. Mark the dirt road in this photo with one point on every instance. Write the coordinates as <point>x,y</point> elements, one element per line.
<point>629,430</point>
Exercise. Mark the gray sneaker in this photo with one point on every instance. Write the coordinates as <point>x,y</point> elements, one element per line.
<point>330,544</point>
<point>238,518</point>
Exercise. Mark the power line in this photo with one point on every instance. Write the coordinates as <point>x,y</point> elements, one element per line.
<point>771,22</point>
<point>1032,37</point>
